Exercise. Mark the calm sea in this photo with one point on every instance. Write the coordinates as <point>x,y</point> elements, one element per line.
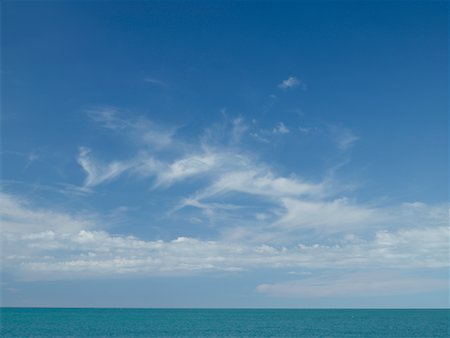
<point>36,322</point>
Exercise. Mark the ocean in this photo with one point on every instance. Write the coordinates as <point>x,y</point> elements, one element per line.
<point>67,322</point>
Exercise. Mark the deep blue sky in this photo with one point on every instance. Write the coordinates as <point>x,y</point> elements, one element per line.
<point>285,145</point>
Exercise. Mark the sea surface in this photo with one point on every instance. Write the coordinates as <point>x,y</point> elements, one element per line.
<point>52,322</point>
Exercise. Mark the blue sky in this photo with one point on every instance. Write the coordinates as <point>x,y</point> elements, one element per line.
<point>225,154</point>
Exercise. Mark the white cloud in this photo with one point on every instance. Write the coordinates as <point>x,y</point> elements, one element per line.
<point>295,207</point>
<point>259,138</point>
<point>186,167</point>
<point>343,137</point>
<point>223,168</point>
<point>46,244</point>
<point>97,172</point>
<point>32,157</point>
<point>18,216</point>
<point>291,82</point>
<point>108,117</point>
<point>339,214</point>
<point>156,82</point>
<point>264,183</point>
<point>276,221</point>
<point>140,130</point>
<point>238,129</point>
<point>304,130</point>
<point>280,128</point>
<point>253,179</point>
<point>154,135</point>
<point>49,254</point>
<point>145,165</point>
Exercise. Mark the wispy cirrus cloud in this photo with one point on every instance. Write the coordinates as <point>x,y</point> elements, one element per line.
<point>140,129</point>
<point>144,165</point>
<point>343,137</point>
<point>225,172</point>
<point>98,172</point>
<point>30,157</point>
<point>380,282</point>
<point>211,156</point>
<point>187,166</point>
<point>239,128</point>
<point>156,82</point>
<point>260,181</point>
<point>325,215</point>
<point>261,218</point>
<point>18,215</point>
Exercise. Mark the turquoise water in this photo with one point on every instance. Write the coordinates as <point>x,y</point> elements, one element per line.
<point>27,322</point>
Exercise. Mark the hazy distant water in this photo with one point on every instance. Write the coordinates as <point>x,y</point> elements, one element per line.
<point>222,323</point>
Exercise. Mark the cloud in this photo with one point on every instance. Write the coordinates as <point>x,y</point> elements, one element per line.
<point>107,118</point>
<point>338,214</point>
<point>241,176</point>
<point>156,82</point>
<point>259,138</point>
<point>344,138</point>
<point>186,167</point>
<point>156,136</point>
<point>238,129</point>
<point>261,181</point>
<point>140,130</point>
<point>232,186</point>
<point>223,167</point>
<point>19,216</point>
<point>310,130</point>
<point>97,172</point>
<point>30,157</point>
<point>364,283</point>
<point>280,128</point>
<point>259,218</point>
<point>53,255</point>
<point>291,82</point>
<point>304,130</point>
<point>145,165</point>
<point>41,243</point>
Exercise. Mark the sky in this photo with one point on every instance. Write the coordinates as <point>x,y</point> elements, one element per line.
<point>224,154</point>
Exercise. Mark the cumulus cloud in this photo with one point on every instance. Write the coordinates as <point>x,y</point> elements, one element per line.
<point>44,244</point>
<point>267,219</point>
<point>290,82</point>
<point>49,254</point>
